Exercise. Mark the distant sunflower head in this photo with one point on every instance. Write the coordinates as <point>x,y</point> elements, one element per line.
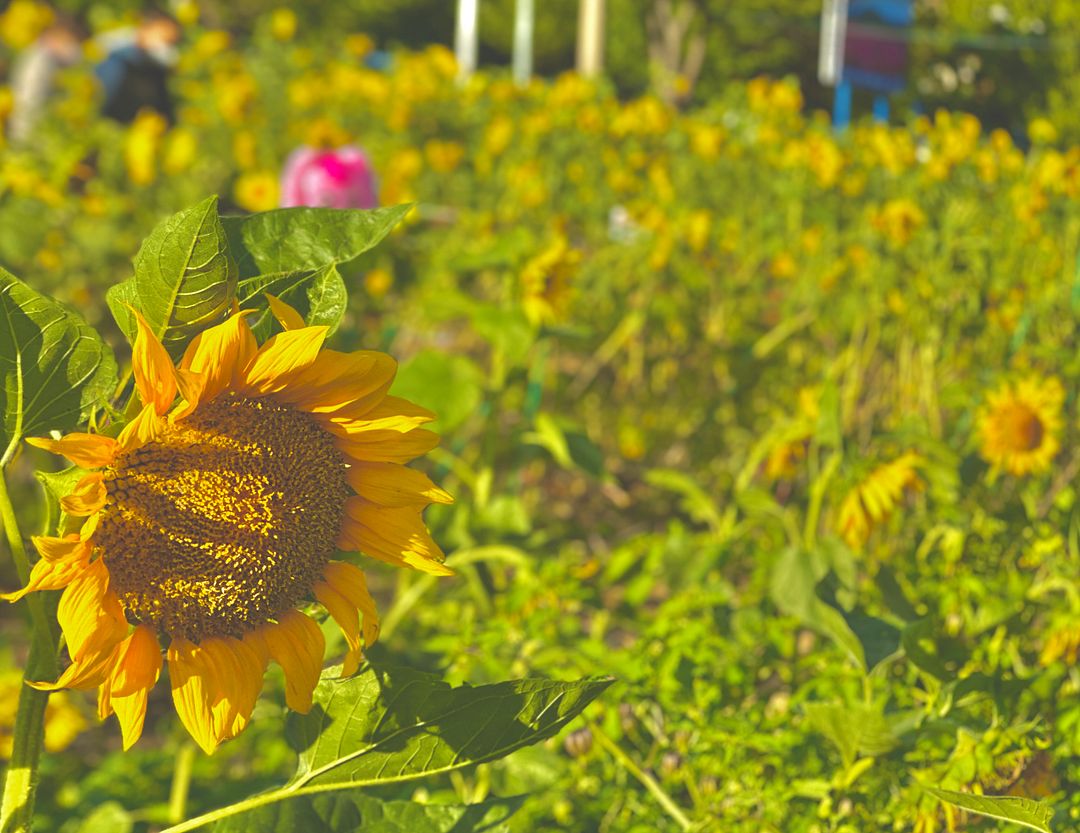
<point>1020,423</point>
<point>214,517</point>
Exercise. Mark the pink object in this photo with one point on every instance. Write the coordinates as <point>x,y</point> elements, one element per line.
<point>339,178</point>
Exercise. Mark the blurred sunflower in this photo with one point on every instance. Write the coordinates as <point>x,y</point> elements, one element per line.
<point>257,191</point>
<point>871,501</point>
<point>1019,425</point>
<point>211,521</point>
<point>546,282</point>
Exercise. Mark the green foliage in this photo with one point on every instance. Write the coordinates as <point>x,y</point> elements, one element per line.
<point>394,724</point>
<point>1022,811</point>
<point>343,811</point>
<point>184,278</point>
<point>56,369</point>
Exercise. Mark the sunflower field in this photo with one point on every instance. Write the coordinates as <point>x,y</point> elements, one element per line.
<point>627,469</point>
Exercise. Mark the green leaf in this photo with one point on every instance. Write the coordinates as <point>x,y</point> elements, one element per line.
<point>184,280</point>
<point>319,295</point>
<point>852,729</point>
<point>388,725</point>
<point>295,239</point>
<point>448,384</point>
<point>793,589</point>
<point>60,484</point>
<point>353,810</point>
<point>55,366</point>
<point>109,816</point>
<point>395,724</point>
<point>1023,811</point>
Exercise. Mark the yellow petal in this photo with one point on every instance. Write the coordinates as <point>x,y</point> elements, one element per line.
<point>89,496</point>
<point>391,414</point>
<point>347,617</point>
<point>287,317</point>
<point>389,484</point>
<point>384,446</point>
<point>395,535</point>
<point>55,573</point>
<point>346,384</point>
<point>90,451</point>
<point>146,426</point>
<point>348,580</point>
<point>296,643</point>
<point>89,672</point>
<point>90,614</point>
<point>136,669</point>
<point>219,355</point>
<point>58,549</point>
<point>155,377</point>
<point>282,358</point>
<point>214,685</point>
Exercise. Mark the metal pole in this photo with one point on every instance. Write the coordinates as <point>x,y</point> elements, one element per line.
<point>834,16</point>
<point>524,20</point>
<point>465,41</point>
<point>590,44</point>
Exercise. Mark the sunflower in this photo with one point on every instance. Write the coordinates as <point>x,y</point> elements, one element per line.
<point>871,501</point>
<point>1020,423</point>
<point>213,517</point>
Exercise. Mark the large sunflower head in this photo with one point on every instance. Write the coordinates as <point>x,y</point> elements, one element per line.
<point>214,518</point>
<point>1019,425</point>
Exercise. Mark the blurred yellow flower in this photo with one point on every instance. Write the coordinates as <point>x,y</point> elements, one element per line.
<point>23,21</point>
<point>142,144</point>
<point>443,156</point>
<point>871,502</point>
<point>63,721</point>
<point>898,220</point>
<point>1042,131</point>
<point>546,282</point>
<point>257,191</point>
<point>1019,425</point>
<point>283,24</point>
<point>181,146</point>
<point>377,282</point>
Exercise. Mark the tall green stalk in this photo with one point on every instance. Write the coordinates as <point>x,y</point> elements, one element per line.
<point>17,803</point>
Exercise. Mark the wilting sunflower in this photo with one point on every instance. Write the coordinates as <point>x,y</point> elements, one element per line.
<point>871,501</point>
<point>214,516</point>
<point>1020,423</point>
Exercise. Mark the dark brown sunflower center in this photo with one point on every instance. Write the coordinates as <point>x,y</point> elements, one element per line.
<point>225,521</point>
<point>1023,428</point>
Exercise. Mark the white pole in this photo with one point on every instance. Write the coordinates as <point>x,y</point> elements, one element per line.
<point>590,44</point>
<point>834,15</point>
<point>524,20</point>
<point>465,41</point>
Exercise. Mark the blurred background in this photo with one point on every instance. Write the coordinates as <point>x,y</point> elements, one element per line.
<point>736,316</point>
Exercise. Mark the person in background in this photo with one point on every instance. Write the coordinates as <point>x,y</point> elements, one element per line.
<point>33,74</point>
<point>135,74</point>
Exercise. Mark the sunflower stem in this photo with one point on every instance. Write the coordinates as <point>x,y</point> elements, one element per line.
<point>17,804</point>
<point>181,784</point>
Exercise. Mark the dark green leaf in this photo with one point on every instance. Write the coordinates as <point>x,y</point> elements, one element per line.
<point>295,239</point>
<point>55,366</point>
<point>352,810</point>
<point>880,640</point>
<point>397,724</point>
<point>184,280</point>
<point>319,295</point>
<point>794,590</point>
<point>1023,811</point>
